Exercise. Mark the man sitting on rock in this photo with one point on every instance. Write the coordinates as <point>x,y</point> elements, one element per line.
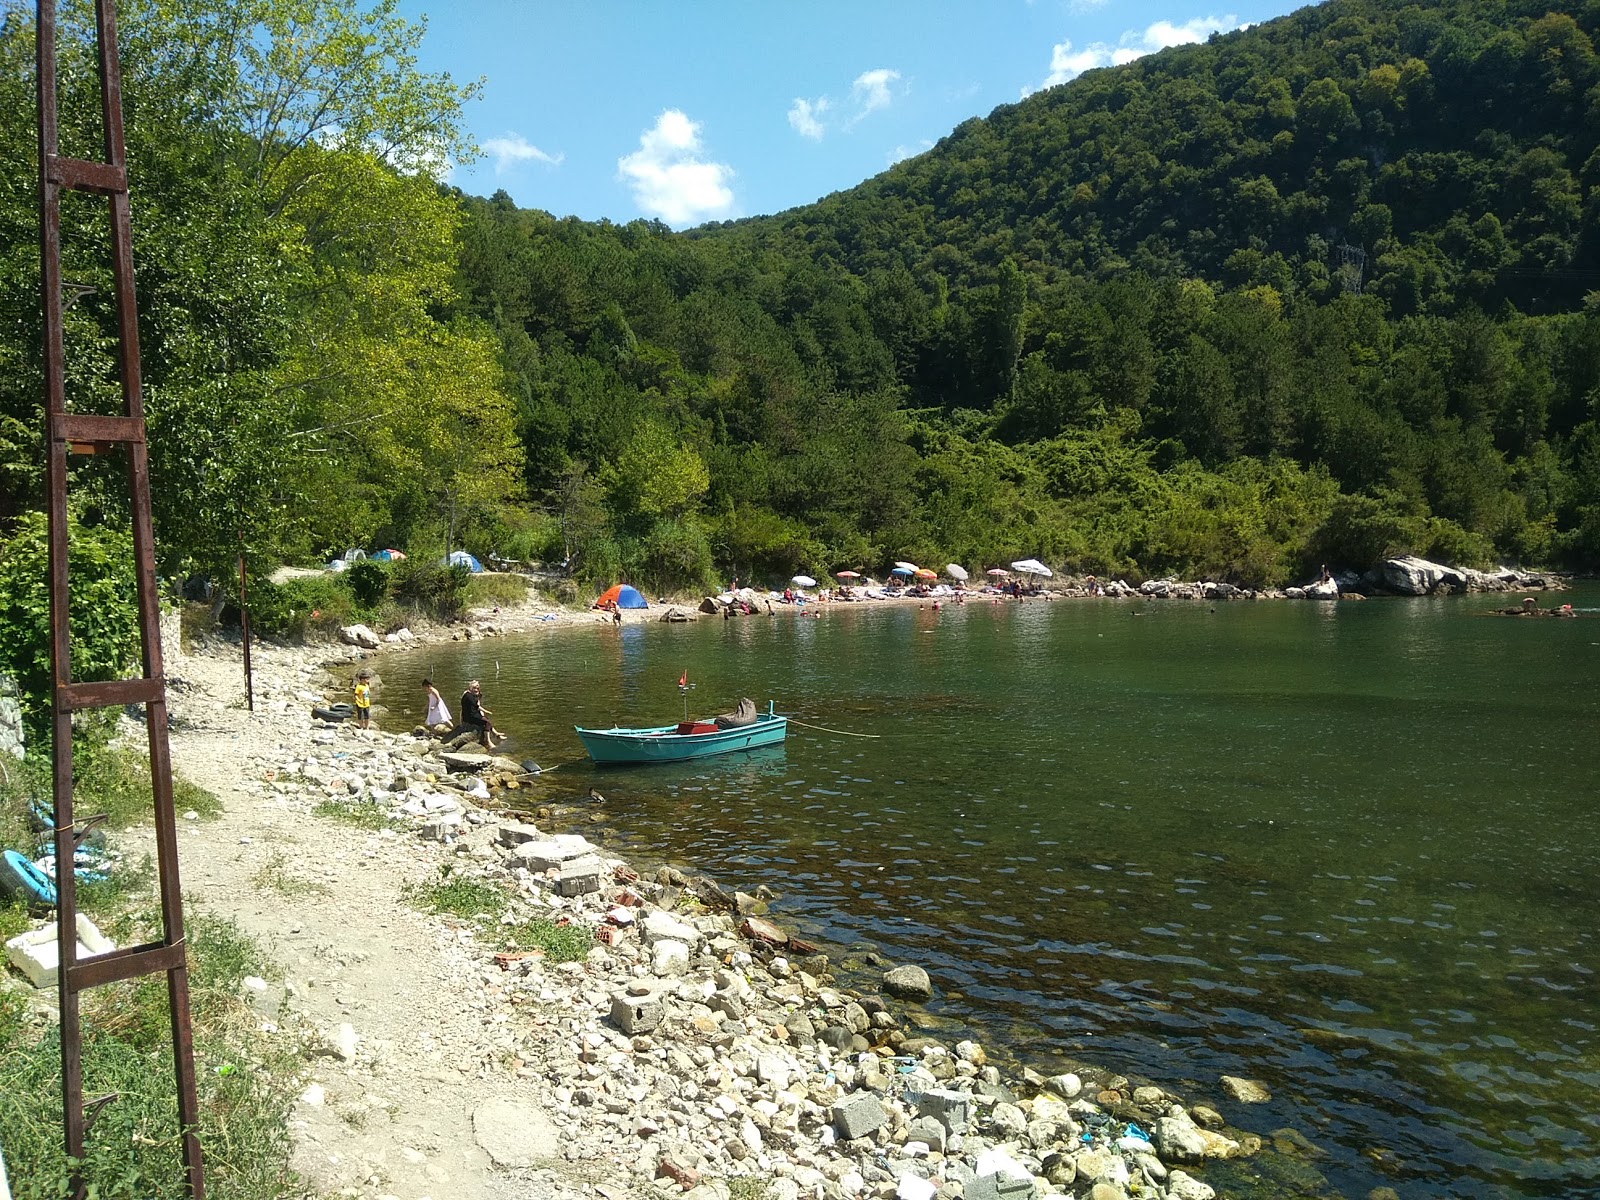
<point>475,716</point>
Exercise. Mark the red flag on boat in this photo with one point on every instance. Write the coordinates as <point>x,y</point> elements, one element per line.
<point>683,680</point>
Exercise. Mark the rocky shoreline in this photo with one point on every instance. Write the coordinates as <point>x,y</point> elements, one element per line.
<point>697,1049</point>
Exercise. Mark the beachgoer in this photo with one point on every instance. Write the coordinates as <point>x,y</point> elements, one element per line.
<point>438,710</point>
<point>363,691</point>
<point>475,716</point>
<point>616,613</point>
<point>1326,578</point>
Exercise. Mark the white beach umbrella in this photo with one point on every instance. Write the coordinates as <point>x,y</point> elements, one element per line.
<point>1032,566</point>
<point>804,581</point>
<point>956,571</point>
<point>905,566</point>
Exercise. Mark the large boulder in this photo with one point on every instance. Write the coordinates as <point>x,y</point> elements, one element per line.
<point>1413,576</point>
<point>908,983</point>
<point>360,635</point>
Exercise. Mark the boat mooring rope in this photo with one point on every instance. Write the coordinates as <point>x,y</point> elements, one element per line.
<point>825,729</point>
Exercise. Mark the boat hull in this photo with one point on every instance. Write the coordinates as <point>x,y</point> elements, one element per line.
<point>664,744</point>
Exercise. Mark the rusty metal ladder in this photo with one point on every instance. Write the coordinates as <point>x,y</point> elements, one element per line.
<point>70,433</point>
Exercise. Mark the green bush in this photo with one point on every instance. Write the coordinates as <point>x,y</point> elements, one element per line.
<point>368,581</point>
<point>299,605</point>
<point>103,619</point>
<point>435,588</point>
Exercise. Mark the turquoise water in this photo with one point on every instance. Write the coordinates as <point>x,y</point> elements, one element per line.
<point>1347,850</point>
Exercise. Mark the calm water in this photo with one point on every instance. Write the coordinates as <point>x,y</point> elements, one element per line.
<point>1349,850</point>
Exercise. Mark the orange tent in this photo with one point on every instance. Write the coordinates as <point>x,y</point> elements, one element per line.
<point>623,596</point>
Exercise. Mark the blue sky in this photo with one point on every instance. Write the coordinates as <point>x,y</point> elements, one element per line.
<point>699,111</point>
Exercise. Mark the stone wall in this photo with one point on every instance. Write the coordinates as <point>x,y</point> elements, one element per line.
<point>10,718</point>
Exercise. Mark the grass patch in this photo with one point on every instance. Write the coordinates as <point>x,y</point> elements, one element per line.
<point>133,1149</point>
<point>362,816</point>
<point>484,904</point>
<point>275,875</point>
<point>457,896</point>
<point>495,591</point>
<point>560,943</point>
<point>747,1187</point>
<point>13,920</point>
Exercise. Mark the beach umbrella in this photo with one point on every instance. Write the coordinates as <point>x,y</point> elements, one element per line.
<point>997,571</point>
<point>1032,566</point>
<point>956,571</point>
<point>924,573</point>
<point>848,574</point>
<point>911,568</point>
<point>804,581</point>
<point>904,570</point>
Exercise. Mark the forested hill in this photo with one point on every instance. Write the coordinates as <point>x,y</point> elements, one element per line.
<point>1313,291</point>
<point>1451,143</point>
<point>1317,291</point>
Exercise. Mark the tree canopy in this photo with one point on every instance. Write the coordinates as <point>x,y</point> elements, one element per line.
<point>1320,290</point>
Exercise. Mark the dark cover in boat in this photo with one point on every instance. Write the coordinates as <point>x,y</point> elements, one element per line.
<point>744,715</point>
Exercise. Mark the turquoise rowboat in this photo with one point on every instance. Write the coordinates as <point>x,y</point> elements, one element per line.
<point>682,742</point>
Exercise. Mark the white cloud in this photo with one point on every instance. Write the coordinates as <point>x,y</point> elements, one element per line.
<point>669,178</point>
<point>806,117</point>
<point>513,149</point>
<point>873,90</point>
<point>900,153</point>
<point>1067,63</point>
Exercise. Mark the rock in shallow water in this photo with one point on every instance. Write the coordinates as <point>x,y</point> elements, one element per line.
<point>908,983</point>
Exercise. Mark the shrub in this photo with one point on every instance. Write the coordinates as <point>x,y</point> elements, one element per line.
<point>291,608</point>
<point>368,581</point>
<point>103,619</point>
<point>435,588</point>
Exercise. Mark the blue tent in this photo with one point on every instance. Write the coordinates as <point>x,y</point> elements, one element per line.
<point>460,558</point>
<point>623,595</point>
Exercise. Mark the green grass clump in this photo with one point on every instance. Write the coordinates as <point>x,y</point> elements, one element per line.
<point>747,1187</point>
<point>457,896</point>
<point>132,1151</point>
<point>560,943</point>
<point>362,816</point>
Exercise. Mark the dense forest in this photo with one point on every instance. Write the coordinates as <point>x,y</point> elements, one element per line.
<point>1320,290</point>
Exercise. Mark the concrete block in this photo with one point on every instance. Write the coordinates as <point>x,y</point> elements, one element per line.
<point>37,956</point>
<point>1000,1177</point>
<point>514,833</point>
<point>639,1009</point>
<point>951,1109</point>
<point>551,852</point>
<point>928,1130</point>
<point>857,1115</point>
<point>578,877</point>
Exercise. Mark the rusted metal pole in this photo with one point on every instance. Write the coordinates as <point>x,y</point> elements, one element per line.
<point>69,432</point>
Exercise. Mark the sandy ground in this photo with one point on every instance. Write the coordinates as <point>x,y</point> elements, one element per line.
<point>435,1040</point>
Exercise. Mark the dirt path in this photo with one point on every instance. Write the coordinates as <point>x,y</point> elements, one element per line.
<point>391,1114</point>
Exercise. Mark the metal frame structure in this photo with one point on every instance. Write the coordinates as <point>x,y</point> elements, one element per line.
<point>71,433</point>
